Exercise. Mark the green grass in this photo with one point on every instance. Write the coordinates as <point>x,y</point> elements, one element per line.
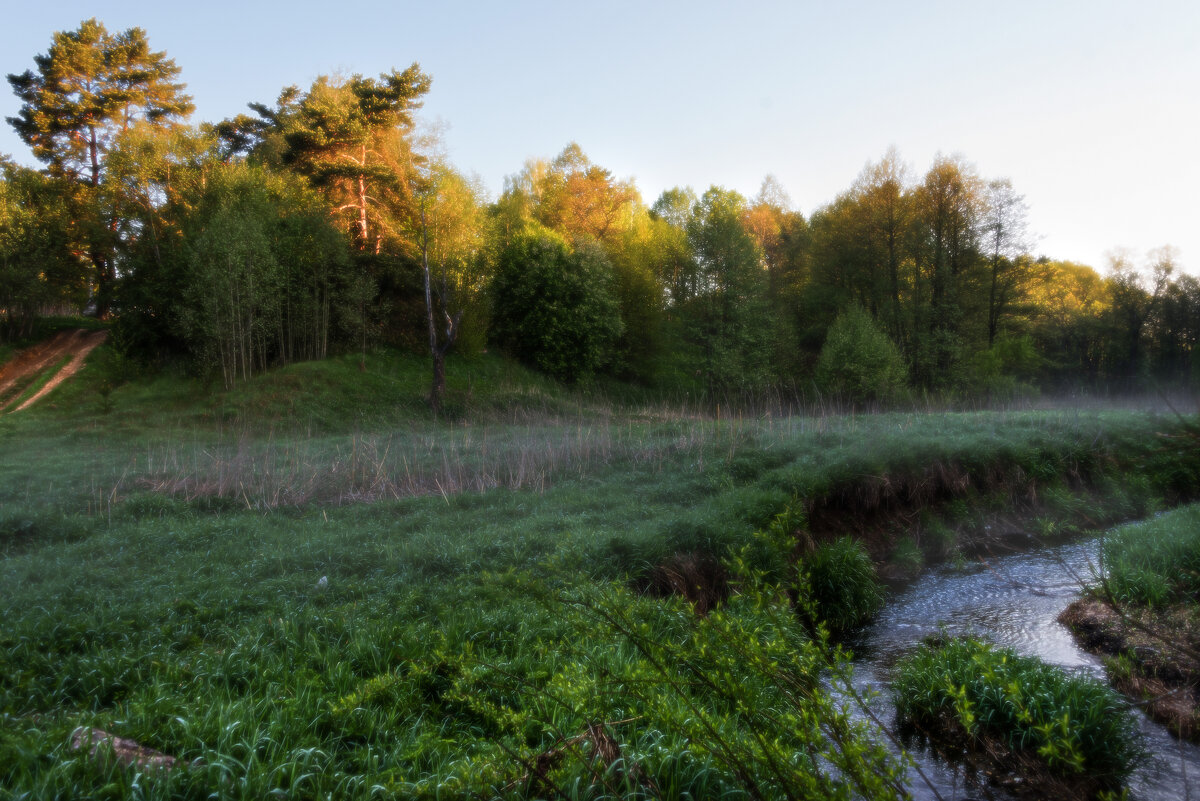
<point>843,587</point>
<point>1075,727</point>
<point>161,566</point>
<point>1155,562</point>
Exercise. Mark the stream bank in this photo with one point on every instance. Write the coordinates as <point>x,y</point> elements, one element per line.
<point>1013,600</point>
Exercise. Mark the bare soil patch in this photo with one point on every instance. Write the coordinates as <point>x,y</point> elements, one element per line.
<point>75,344</point>
<point>1153,656</point>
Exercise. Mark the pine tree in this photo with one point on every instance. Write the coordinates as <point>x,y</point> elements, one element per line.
<point>351,140</point>
<point>88,88</point>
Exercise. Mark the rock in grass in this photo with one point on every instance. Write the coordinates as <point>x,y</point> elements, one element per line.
<point>101,744</point>
<point>322,583</point>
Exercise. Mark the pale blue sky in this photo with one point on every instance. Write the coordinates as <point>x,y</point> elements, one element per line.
<point>1092,109</point>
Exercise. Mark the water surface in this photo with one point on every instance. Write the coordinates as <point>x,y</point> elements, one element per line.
<point>1012,600</point>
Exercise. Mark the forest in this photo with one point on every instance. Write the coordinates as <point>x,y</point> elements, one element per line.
<point>330,220</point>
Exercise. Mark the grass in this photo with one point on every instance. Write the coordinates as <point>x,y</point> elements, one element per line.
<point>1155,563</point>
<point>1141,616</point>
<point>476,633</point>
<point>842,585</point>
<point>1019,708</point>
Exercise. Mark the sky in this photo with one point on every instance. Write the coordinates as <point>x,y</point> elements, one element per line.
<point>1091,109</point>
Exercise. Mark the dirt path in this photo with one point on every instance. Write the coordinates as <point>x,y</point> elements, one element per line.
<point>77,344</point>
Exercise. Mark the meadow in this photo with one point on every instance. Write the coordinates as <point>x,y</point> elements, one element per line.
<point>307,587</point>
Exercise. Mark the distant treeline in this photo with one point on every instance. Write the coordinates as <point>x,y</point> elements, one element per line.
<point>327,222</point>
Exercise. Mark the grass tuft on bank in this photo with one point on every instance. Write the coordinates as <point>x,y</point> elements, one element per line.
<point>1018,709</point>
<point>1156,562</point>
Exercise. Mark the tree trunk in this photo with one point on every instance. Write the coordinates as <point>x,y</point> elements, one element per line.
<point>438,390</point>
<point>439,355</point>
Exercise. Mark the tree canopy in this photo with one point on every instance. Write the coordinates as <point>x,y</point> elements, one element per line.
<point>327,220</point>
<point>88,87</point>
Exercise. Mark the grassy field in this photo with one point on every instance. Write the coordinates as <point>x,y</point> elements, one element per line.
<point>307,587</point>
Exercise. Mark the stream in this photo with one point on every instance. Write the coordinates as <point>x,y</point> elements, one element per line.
<point>1011,600</point>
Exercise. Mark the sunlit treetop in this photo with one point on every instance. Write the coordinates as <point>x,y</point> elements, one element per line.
<point>88,87</point>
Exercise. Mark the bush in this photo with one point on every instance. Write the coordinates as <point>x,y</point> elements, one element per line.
<point>554,308</point>
<point>858,361</point>
<point>1006,369</point>
<point>1074,726</point>
<point>843,588</point>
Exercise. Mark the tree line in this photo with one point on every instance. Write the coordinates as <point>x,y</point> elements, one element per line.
<point>327,221</point>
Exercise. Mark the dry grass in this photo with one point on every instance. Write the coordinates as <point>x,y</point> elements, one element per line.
<point>364,468</point>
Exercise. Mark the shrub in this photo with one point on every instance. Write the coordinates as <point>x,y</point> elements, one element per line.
<point>1074,726</point>
<point>743,687</point>
<point>842,585</point>
<point>858,361</point>
<point>1004,371</point>
<point>554,307</point>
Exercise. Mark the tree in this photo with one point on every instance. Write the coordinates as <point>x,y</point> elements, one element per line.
<point>250,272</point>
<point>1135,297</point>
<point>1175,331</point>
<point>583,199</point>
<point>147,168</point>
<point>782,236</point>
<point>233,302</point>
<point>1068,302</point>
<point>451,241</point>
<point>553,307</point>
<point>764,219</point>
<point>40,267</point>
<point>635,256</point>
<point>674,263</point>
<point>88,87</point>
<point>260,137</point>
<point>882,193</point>
<point>948,207</point>
<point>572,196</point>
<point>1005,241</point>
<point>351,140</point>
<point>729,315</point>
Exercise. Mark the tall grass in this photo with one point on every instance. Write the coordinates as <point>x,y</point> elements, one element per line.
<point>839,579</point>
<point>1155,562</point>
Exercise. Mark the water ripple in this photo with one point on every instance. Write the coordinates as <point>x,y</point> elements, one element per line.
<point>1014,601</point>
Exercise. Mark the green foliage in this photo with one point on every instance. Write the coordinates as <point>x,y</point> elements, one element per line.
<point>1005,370</point>
<point>256,279</point>
<point>907,556</point>
<point>39,269</point>
<point>1155,562</point>
<point>742,685</point>
<point>429,663</point>
<point>728,317</point>
<point>1075,726</point>
<point>858,361</point>
<point>554,307</point>
<point>841,584</point>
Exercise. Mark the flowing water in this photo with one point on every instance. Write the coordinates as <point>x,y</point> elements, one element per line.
<point>1012,600</point>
